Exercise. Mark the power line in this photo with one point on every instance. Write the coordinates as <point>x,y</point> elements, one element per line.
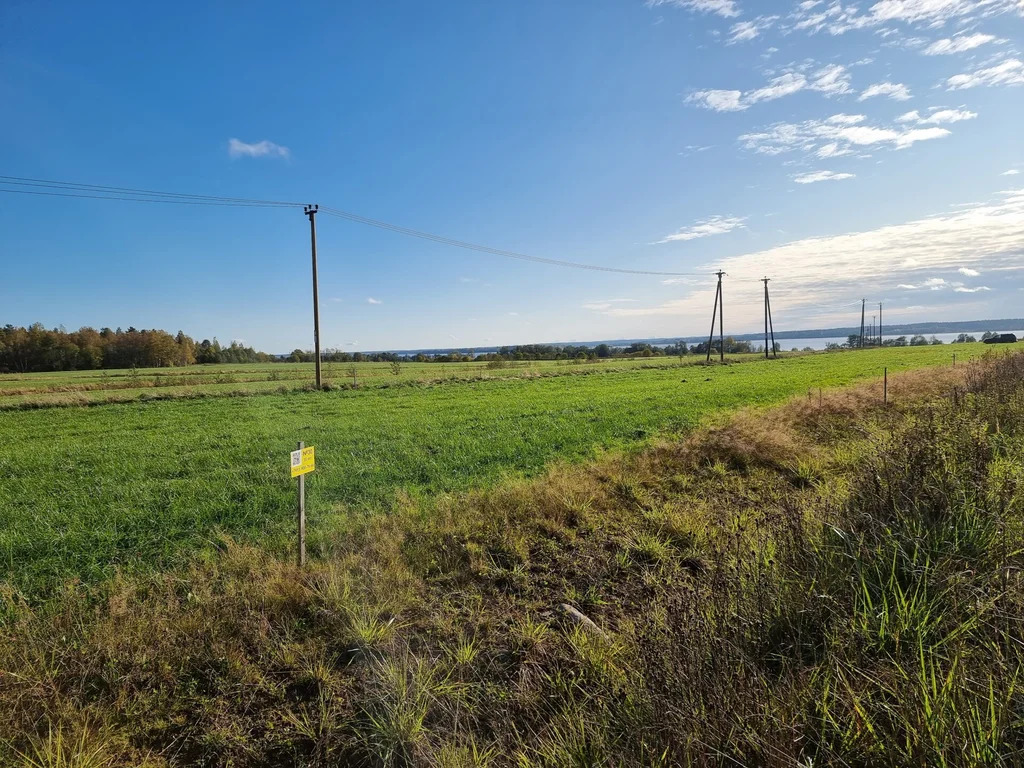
<point>53,188</point>
<point>494,251</point>
<point>137,199</point>
<point>77,186</point>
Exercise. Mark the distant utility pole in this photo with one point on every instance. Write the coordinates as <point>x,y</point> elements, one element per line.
<point>717,309</point>
<point>879,323</point>
<point>310,210</point>
<point>862,303</point>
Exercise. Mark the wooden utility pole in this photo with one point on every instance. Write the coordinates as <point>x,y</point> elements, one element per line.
<point>879,323</point>
<point>862,303</point>
<point>310,210</point>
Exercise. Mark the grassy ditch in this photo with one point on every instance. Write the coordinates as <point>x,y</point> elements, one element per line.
<point>829,582</point>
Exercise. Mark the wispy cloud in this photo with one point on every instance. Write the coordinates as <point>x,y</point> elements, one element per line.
<point>725,8</point>
<point>263,148</point>
<point>895,91</point>
<point>371,300</point>
<point>1011,172</point>
<point>715,225</point>
<point>833,136</point>
<point>963,289</point>
<point>821,270</point>
<point>948,116</point>
<point>837,19</point>
<point>968,272</point>
<point>958,44</point>
<point>599,306</point>
<point>1007,72</point>
<point>742,31</point>
<point>831,80</point>
<point>816,176</point>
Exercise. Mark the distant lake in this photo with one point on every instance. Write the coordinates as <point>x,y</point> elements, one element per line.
<point>946,338</point>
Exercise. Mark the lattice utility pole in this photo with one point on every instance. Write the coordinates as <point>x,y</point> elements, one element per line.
<point>717,310</point>
<point>768,326</point>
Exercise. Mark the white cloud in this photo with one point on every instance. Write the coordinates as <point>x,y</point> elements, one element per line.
<point>909,117</point>
<point>907,286</point>
<point>1007,72</point>
<point>962,289</point>
<point>371,300</point>
<point>599,306</point>
<point>948,116</point>
<point>718,100</point>
<point>827,269</point>
<point>958,44</point>
<point>725,8</point>
<point>832,150</point>
<point>1011,172</point>
<point>783,85</point>
<point>837,19</point>
<point>742,31</point>
<point>715,225</point>
<point>263,148</point>
<point>968,272</point>
<point>816,176</point>
<point>896,91</point>
<point>835,135</point>
<point>832,80</point>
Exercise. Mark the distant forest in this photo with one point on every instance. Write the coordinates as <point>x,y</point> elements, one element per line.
<point>24,350</point>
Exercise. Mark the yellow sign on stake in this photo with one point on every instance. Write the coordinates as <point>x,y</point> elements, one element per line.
<point>303,461</point>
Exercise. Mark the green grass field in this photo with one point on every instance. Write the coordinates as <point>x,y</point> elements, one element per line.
<point>84,491</point>
<point>89,387</point>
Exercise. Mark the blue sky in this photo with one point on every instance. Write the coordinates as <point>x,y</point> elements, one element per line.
<point>872,150</point>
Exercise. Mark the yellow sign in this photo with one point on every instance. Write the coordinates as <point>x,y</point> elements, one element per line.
<point>303,462</point>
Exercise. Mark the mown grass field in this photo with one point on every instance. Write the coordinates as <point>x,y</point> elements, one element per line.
<point>85,491</point>
<point>58,389</point>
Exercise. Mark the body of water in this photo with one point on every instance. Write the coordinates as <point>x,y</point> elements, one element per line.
<point>946,338</point>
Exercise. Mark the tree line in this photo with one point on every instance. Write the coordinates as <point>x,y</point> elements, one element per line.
<point>526,352</point>
<point>32,349</point>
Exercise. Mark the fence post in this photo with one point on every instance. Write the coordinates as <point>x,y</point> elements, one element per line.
<point>885,385</point>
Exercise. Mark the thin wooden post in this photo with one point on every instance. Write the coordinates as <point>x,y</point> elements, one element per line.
<point>885,385</point>
<point>302,515</point>
<point>954,359</point>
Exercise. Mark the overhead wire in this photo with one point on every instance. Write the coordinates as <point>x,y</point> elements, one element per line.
<point>52,188</point>
<point>137,199</point>
<point>337,212</point>
<point>163,196</point>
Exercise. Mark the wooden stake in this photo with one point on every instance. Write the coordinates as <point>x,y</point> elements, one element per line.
<point>885,385</point>
<point>302,516</point>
